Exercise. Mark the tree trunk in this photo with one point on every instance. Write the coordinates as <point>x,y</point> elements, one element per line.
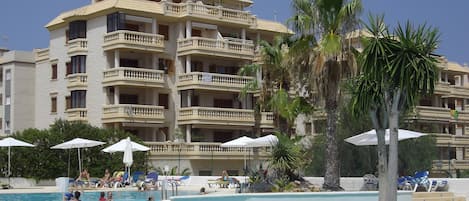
<point>393,146</point>
<point>379,120</point>
<point>332,173</point>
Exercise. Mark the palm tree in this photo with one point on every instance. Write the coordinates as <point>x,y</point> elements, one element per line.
<point>276,83</point>
<point>322,58</point>
<point>397,70</point>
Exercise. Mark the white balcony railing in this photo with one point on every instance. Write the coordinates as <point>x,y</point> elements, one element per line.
<point>210,44</point>
<point>77,114</point>
<point>133,76</point>
<point>77,46</point>
<point>209,12</point>
<point>133,40</point>
<point>133,113</point>
<point>214,81</point>
<point>78,80</point>
<point>220,116</point>
<point>201,149</point>
<point>267,120</point>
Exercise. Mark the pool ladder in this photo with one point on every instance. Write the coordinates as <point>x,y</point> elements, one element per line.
<point>165,189</point>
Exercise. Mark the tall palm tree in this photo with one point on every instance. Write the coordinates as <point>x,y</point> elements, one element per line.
<point>321,59</point>
<point>397,69</point>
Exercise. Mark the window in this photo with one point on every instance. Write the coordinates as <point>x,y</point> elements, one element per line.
<point>8,75</point>
<point>78,99</point>
<point>54,71</point>
<point>197,66</point>
<point>68,102</point>
<point>67,36</point>
<point>7,125</point>
<point>131,27</point>
<point>164,30</point>
<point>128,62</point>
<point>68,71</point>
<point>53,104</point>
<point>7,100</point>
<point>78,64</point>
<point>163,100</point>
<point>196,33</point>
<point>223,103</point>
<point>128,99</point>
<point>115,21</point>
<point>77,29</point>
<point>194,101</point>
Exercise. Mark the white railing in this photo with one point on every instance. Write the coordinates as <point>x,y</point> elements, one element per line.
<point>78,79</point>
<point>199,148</point>
<point>134,37</point>
<point>215,79</point>
<point>79,44</point>
<point>216,114</point>
<point>209,12</point>
<point>267,119</point>
<point>133,111</point>
<point>129,73</point>
<point>77,114</point>
<point>217,45</point>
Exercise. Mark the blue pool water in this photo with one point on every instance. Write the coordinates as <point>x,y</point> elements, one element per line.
<point>90,196</point>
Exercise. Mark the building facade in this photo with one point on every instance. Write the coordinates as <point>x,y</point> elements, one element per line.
<point>165,71</point>
<point>17,76</point>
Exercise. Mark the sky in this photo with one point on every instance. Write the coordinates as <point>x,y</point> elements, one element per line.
<point>22,21</point>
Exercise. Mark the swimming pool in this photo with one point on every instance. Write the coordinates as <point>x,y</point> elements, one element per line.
<point>89,196</point>
<point>320,196</point>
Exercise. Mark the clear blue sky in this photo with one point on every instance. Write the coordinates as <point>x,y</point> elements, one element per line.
<point>22,21</point>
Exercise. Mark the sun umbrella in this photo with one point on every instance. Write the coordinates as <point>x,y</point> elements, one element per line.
<point>12,142</point>
<point>370,137</point>
<point>266,141</point>
<point>128,147</point>
<point>240,142</point>
<point>120,147</point>
<point>78,143</point>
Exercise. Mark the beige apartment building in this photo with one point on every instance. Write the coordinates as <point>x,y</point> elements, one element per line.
<point>16,91</point>
<point>156,68</point>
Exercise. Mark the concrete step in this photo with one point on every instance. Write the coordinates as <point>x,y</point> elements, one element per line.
<point>434,199</point>
<point>431,194</point>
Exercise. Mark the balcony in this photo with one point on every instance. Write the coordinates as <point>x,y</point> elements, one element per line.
<point>77,46</point>
<point>201,150</point>
<point>212,81</point>
<point>442,165</point>
<point>442,88</point>
<point>127,113</point>
<point>214,47</point>
<point>133,40</point>
<point>216,116</point>
<point>77,114</point>
<point>139,77</point>
<point>443,140</point>
<point>429,113</point>
<point>209,14</point>
<point>267,120</point>
<point>78,81</point>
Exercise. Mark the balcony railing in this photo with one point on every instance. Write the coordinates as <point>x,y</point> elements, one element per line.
<point>201,150</point>
<point>443,140</point>
<point>133,40</point>
<point>133,77</point>
<point>207,12</point>
<point>444,165</point>
<point>42,55</point>
<point>77,114</point>
<point>77,46</point>
<point>267,120</point>
<point>432,113</point>
<point>133,113</point>
<point>78,81</point>
<point>213,81</point>
<point>209,46</point>
<point>216,116</point>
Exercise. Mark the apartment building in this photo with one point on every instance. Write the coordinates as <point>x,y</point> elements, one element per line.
<point>446,115</point>
<point>17,71</point>
<point>162,70</point>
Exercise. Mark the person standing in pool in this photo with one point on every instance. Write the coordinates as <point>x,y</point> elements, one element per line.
<point>76,196</point>
<point>109,196</point>
<point>102,196</point>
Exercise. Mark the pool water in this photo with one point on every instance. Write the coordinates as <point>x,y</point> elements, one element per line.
<point>90,196</point>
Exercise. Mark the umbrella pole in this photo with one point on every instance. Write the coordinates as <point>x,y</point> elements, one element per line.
<point>79,161</point>
<point>9,165</point>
